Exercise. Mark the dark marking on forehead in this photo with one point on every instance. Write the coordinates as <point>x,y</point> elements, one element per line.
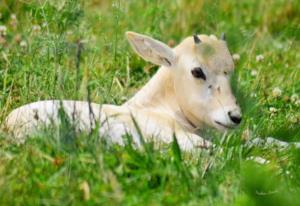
<point>215,56</point>
<point>206,50</point>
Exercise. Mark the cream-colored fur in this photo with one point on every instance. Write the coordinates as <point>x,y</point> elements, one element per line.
<point>172,102</point>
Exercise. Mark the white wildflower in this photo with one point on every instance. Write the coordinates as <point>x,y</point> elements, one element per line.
<point>297,103</point>
<point>236,57</point>
<point>23,44</point>
<point>3,30</point>
<point>276,92</point>
<point>259,58</point>
<point>36,28</point>
<point>272,109</point>
<point>293,119</point>
<point>44,24</point>
<point>254,73</point>
<point>69,32</point>
<point>278,45</point>
<point>114,5</point>
<point>13,17</point>
<point>294,97</point>
<point>258,159</point>
<point>13,21</point>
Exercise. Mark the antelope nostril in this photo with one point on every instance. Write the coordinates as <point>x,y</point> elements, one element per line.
<point>236,119</point>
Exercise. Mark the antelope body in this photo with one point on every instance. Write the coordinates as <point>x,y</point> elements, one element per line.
<point>190,91</point>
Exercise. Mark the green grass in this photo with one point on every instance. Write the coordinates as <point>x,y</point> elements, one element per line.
<point>51,168</point>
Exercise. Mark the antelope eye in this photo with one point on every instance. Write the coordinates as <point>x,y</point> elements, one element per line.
<point>198,73</point>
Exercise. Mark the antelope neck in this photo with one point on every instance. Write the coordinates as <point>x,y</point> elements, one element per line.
<point>159,95</point>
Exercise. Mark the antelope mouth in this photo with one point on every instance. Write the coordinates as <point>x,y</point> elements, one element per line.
<point>224,125</point>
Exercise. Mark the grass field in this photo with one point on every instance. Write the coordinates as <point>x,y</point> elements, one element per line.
<point>72,49</point>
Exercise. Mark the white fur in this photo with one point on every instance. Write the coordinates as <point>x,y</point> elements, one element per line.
<point>172,102</point>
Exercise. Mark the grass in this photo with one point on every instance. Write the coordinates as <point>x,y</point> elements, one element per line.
<point>39,59</point>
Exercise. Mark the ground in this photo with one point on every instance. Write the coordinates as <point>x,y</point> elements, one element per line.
<point>71,49</point>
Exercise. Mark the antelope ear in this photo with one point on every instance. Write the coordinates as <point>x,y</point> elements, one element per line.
<point>151,50</point>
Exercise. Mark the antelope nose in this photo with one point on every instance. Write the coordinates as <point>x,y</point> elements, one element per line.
<point>236,118</point>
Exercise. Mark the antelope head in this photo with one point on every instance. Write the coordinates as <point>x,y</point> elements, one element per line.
<point>201,66</point>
